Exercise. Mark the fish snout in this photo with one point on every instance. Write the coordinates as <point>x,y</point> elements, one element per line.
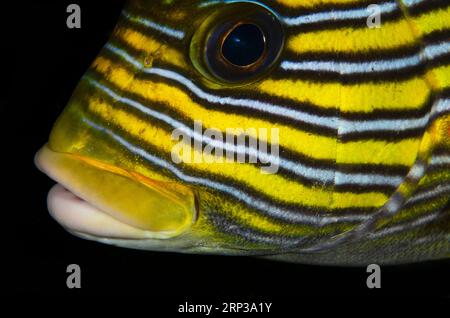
<point>102,200</point>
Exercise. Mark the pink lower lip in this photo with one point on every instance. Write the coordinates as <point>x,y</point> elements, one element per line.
<point>77,215</point>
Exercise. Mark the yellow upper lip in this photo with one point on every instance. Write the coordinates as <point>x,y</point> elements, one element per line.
<point>155,206</point>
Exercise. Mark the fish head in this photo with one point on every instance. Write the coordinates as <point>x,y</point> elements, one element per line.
<point>259,128</point>
<point>112,152</point>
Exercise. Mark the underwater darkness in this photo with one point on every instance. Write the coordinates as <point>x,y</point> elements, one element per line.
<point>49,60</point>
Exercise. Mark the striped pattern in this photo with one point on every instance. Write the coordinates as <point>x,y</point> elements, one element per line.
<point>363,116</point>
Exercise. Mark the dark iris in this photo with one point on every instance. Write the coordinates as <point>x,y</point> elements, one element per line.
<point>244,45</point>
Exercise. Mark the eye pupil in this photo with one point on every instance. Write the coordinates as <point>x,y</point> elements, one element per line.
<point>244,45</point>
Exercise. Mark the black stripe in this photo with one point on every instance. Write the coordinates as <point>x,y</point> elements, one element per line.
<point>329,25</point>
<point>425,7</point>
<point>437,36</point>
<point>438,168</point>
<point>364,56</point>
<point>444,93</point>
<point>124,22</point>
<point>244,234</point>
<point>383,135</point>
<point>346,188</point>
<point>440,150</point>
<point>319,8</point>
<point>393,170</point>
<point>392,112</point>
<point>392,136</point>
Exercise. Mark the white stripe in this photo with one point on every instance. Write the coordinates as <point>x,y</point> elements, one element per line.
<point>337,15</point>
<point>394,204</point>
<point>366,179</point>
<point>442,106</point>
<point>410,3</point>
<point>155,26</point>
<point>439,190</point>
<point>238,194</point>
<point>435,50</point>
<point>213,2</point>
<point>407,226</point>
<point>417,171</point>
<point>440,160</point>
<point>344,126</point>
<point>346,68</point>
<point>205,4</point>
<point>349,127</point>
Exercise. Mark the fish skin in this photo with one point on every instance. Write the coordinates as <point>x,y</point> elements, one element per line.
<point>363,116</point>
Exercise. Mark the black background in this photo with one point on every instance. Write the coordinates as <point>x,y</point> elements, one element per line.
<point>49,59</point>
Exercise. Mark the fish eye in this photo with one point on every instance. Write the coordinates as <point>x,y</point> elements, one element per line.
<point>244,45</point>
<point>237,44</point>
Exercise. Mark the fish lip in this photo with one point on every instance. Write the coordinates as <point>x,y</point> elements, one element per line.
<point>82,217</point>
<point>114,229</point>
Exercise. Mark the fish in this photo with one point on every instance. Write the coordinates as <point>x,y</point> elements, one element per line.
<point>344,128</point>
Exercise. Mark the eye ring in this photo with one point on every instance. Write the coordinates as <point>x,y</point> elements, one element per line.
<point>261,32</point>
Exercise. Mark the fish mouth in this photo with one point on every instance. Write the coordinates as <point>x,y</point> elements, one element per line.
<point>102,200</point>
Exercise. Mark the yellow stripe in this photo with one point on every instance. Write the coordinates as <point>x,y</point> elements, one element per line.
<point>440,77</point>
<point>309,144</point>
<point>315,3</point>
<point>379,152</point>
<point>439,177</point>
<point>390,35</point>
<point>154,48</point>
<point>253,220</point>
<point>432,21</point>
<point>439,132</point>
<point>367,97</point>
<point>293,192</point>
